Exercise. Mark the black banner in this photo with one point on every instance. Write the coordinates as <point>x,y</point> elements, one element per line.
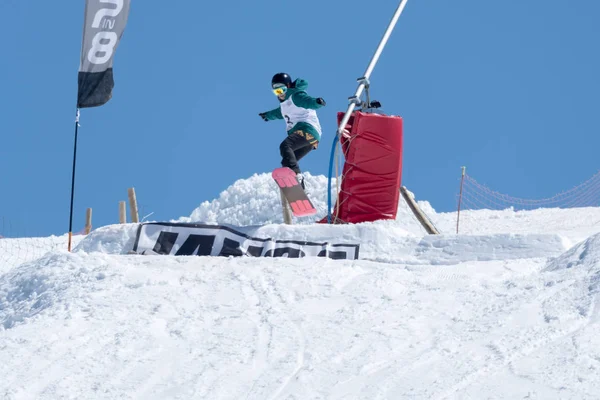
<point>105,22</point>
<point>217,240</point>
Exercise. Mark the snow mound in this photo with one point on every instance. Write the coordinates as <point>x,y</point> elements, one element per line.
<point>579,268</point>
<point>37,286</point>
<point>256,201</point>
<point>585,255</point>
<point>111,239</point>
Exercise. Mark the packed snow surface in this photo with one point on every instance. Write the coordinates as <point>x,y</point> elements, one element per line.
<point>507,309</point>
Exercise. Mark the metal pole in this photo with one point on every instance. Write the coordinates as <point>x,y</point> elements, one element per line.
<point>364,81</point>
<point>462,179</point>
<point>73,180</point>
<point>355,100</point>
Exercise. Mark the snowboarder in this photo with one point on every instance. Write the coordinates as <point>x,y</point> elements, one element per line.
<point>302,124</point>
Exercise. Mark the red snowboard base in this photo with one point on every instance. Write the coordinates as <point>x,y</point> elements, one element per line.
<point>293,192</point>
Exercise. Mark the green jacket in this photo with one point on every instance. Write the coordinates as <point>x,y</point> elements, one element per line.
<point>301,99</point>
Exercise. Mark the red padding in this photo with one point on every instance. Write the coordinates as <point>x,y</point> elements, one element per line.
<point>372,171</point>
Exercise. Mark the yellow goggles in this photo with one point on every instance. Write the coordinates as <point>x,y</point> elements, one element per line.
<point>279,90</point>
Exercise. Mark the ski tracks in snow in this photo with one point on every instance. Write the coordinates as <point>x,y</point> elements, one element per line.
<point>158,327</point>
<point>272,312</point>
<point>535,325</point>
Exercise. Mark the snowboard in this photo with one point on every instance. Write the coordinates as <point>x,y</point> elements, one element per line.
<point>292,190</point>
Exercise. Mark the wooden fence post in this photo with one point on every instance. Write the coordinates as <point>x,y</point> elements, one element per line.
<point>133,208</point>
<point>88,221</point>
<point>122,212</point>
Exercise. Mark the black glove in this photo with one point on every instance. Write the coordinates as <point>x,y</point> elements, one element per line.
<point>263,116</point>
<point>321,101</point>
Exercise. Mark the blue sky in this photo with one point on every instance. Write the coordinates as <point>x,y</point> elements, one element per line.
<point>509,89</point>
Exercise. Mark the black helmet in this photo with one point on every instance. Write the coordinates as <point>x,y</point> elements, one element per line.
<point>281,78</point>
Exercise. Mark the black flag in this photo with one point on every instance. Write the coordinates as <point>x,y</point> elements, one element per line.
<point>104,25</point>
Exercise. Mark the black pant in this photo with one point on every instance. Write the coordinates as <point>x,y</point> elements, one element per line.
<point>292,149</point>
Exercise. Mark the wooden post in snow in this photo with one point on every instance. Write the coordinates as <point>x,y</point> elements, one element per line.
<point>88,221</point>
<point>133,208</point>
<point>122,212</point>
<point>418,213</point>
<point>285,207</point>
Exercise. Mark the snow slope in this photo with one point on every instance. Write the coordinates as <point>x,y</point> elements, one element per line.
<point>508,309</point>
